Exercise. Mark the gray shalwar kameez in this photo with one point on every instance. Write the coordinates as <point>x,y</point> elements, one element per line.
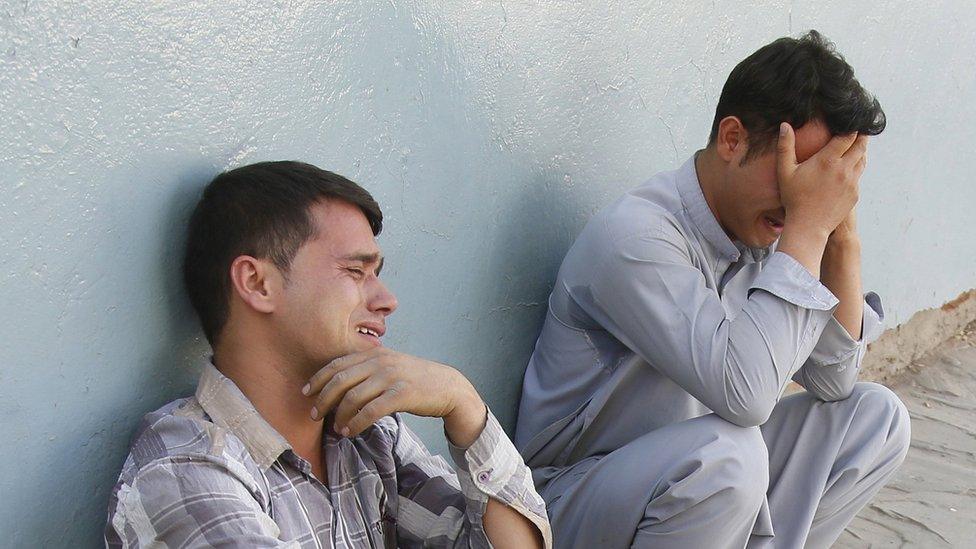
<point>665,348</point>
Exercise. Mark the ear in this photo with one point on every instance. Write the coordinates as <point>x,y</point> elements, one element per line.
<point>256,282</point>
<point>733,139</point>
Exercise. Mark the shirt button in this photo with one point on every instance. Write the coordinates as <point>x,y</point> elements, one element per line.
<point>484,476</point>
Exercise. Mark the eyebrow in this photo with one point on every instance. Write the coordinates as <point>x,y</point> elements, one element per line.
<point>367,258</point>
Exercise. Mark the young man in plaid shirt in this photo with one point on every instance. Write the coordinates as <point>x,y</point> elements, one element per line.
<point>294,438</point>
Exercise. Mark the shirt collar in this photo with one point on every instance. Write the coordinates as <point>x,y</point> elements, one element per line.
<point>227,406</point>
<point>693,200</point>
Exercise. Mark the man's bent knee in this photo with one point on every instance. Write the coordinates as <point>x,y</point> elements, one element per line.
<point>745,469</point>
<point>881,404</point>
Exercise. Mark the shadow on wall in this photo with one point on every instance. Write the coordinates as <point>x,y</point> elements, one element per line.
<point>539,226</point>
<point>169,368</point>
<point>129,345</point>
<point>177,363</point>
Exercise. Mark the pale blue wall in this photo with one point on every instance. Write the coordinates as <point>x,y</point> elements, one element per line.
<point>489,132</point>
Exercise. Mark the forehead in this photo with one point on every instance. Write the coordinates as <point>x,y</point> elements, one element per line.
<point>810,138</point>
<point>341,229</point>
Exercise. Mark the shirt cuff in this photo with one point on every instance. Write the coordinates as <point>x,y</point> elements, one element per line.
<point>874,314</point>
<point>785,278</point>
<point>492,468</point>
<point>489,462</point>
<point>836,345</point>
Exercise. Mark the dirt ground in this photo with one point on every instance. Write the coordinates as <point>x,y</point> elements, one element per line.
<point>932,500</point>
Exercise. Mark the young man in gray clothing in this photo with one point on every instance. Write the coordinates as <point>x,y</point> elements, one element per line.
<point>651,411</point>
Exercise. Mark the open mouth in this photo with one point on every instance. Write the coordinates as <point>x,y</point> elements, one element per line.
<point>775,224</point>
<point>371,333</point>
<point>367,331</point>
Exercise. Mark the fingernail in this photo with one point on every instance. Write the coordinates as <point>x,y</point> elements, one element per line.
<point>315,413</point>
<point>345,431</point>
<point>306,389</point>
<point>782,128</point>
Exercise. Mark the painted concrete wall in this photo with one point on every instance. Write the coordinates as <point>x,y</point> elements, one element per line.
<point>489,131</point>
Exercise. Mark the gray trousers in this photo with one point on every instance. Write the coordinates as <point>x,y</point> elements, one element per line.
<point>703,482</point>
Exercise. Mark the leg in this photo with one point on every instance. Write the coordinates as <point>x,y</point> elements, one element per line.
<point>697,483</point>
<point>828,459</point>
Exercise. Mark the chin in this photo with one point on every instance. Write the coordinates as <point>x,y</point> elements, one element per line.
<point>760,242</point>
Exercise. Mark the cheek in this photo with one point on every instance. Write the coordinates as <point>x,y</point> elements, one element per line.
<point>770,186</point>
<point>772,193</point>
<point>340,301</point>
<point>763,186</point>
<point>763,197</point>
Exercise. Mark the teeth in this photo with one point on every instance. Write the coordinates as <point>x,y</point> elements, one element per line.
<point>367,331</point>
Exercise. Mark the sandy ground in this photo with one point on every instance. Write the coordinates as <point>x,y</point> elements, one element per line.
<point>931,501</point>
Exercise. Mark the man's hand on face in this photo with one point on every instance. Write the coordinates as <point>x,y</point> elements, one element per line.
<point>363,387</point>
<point>820,193</point>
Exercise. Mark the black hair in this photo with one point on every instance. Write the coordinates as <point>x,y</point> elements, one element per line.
<point>261,210</point>
<point>796,80</point>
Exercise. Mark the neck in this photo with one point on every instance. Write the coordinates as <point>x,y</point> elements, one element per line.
<point>273,383</point>
<point>710,170</point>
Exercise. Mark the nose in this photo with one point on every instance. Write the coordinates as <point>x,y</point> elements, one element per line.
<point>381,299</point>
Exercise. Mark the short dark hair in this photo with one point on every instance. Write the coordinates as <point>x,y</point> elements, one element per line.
<point>796,80</point>
<point>261,210</point>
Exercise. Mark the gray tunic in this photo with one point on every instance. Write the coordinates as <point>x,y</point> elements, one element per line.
<point>657,317</point>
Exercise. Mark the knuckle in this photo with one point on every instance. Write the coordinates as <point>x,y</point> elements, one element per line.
<point>395,389</point>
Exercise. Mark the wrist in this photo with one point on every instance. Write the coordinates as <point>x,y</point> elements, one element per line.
<point>467,418</point>
<point>845,240</point>
<point>808,227</point>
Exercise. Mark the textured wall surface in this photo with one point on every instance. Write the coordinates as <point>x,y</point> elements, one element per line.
<point>489,131</point>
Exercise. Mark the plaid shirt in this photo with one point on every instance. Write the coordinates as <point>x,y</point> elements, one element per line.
<point>210,471</point>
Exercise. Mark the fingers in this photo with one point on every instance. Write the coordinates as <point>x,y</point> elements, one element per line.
<point>859,167</point>
<point>323,376</point>
<point>786,149</point>
<point>338,386</point>
<point>383,405</point>
<point>858,149</point>
<point>358,397</point>
<point>838,145</point>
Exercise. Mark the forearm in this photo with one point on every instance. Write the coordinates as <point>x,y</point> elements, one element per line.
<point>506,527</point>
<point>841,274</point>
<point>805,243</point>
<point>467,419</point>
